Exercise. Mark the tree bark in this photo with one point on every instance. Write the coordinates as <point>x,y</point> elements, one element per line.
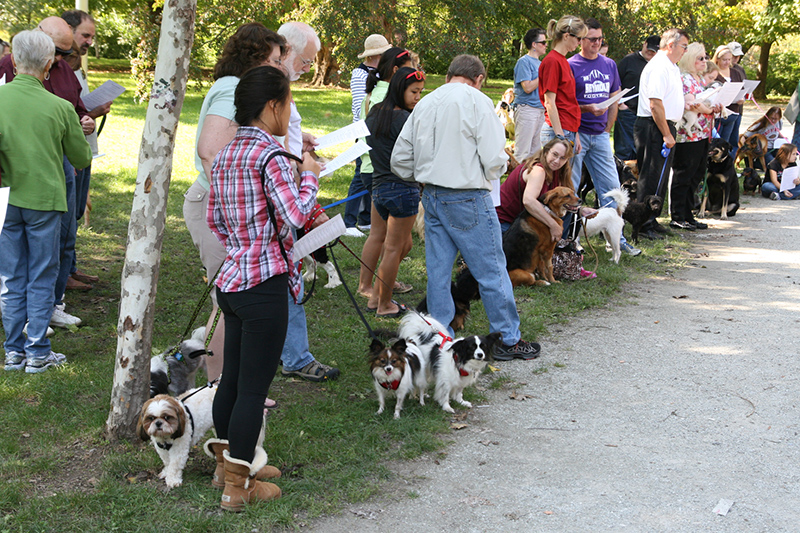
<point>148,215</point>
<point>763,68</point>
<point>326,68</point>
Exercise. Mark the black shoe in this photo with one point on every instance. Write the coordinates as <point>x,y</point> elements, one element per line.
<point>658,228</point>
<point>651,235</point>
<point>682,224</point>
<point>697,224</point>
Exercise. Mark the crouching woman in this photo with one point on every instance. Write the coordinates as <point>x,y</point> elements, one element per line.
<point>254,201</point>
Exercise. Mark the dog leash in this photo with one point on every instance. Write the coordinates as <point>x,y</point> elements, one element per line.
<point>665,153</point>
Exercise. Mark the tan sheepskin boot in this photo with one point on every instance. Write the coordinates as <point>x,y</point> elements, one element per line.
<point>241,485</point>
<point>214,449</point>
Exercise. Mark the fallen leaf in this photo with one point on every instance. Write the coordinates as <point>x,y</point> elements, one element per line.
<point>656,322</point>
<point>458,426</point>
<point>548,512</point>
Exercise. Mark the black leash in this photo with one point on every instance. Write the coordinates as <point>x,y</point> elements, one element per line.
<point>197,309</point>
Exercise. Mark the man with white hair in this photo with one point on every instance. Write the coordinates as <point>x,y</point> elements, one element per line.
<point>296,357</point>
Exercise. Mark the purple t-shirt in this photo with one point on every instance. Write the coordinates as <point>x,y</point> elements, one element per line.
<point>595,80</point>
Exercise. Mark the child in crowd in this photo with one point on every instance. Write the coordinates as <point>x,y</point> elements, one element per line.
<point>785,157</point>
<point>769,126</point>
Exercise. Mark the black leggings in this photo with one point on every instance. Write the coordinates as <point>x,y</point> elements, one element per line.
<point>255,329</point>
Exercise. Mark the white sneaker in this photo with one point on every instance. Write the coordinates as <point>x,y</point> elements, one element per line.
<point>774,196</point>
<point>62,319</point>
<point>353,232</point>
<point>38,365</point>
<point>15,361</point>
<point>365,228</point>
<point>50,330</point>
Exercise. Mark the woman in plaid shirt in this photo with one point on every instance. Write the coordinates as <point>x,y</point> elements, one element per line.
<point>251,287</point>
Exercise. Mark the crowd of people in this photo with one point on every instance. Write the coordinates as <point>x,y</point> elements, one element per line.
<point>257,184</point>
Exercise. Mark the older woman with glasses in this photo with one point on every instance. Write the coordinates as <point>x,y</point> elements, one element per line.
<point>691,148</point>
<point>39,129</point>
<point>728,128</point>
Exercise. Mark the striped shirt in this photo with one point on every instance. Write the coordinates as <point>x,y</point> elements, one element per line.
<point>237,210</point>
<point>358,89</point>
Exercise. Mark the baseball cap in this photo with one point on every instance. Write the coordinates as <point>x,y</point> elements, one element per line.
<point>653,43</point>
<point>736,48</point>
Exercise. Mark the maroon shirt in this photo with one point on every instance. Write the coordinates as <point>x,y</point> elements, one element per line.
<point>62,83</point>
<point>511,193</point>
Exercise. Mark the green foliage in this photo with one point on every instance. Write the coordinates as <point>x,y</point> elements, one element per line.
<point>784,72</point>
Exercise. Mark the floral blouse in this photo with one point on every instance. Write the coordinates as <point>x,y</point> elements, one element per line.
<point>702,127</point>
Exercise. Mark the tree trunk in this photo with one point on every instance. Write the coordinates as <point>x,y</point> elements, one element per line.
<point>763,68</point>
<point>148,215</point>
<point>326,68</point>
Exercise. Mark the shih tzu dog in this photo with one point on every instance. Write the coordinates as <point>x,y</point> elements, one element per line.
<point>175,425</point>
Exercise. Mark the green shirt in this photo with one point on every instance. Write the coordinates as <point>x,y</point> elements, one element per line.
<point>377,96</point>
<point>37,128</point>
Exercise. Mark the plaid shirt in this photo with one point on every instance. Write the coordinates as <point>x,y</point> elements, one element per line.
<point>237,210</point>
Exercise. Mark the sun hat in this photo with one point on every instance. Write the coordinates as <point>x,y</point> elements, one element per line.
<point>374,45</point>
<point>736,48</point>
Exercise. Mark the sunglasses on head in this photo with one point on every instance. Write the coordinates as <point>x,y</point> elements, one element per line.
<point>417,74</point>
<point>401,54</point>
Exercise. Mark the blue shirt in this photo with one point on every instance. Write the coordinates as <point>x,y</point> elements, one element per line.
<point>526,69</point>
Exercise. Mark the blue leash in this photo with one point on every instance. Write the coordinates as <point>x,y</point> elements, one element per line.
<point>665,153</point>
<point>357,195</point>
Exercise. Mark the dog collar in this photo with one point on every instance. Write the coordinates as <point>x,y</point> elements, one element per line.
<point>461,371</point>
<point>164,445</point>
<point>391,385</point>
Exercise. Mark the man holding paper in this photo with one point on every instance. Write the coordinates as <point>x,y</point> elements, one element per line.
<point>596,80</point>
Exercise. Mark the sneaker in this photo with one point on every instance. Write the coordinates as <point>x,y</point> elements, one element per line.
<point>50,330</point>
<point>587,274</point>
<point>774,196</point>
<point>629,249</point>
<point>62,319</point>
<point>353,232</point>
<point>313,371</point>
<point>682,224</point>
<point>40,364</point>
<point>697,224</point>
<point>15,361</point>
<point>365,227</point>
<point>522,350</point>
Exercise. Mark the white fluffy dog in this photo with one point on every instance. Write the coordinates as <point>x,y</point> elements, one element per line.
<point>609,221</point>
<point>175,425</point>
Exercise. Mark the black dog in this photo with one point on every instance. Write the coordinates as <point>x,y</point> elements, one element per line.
<point>638,213</point>
<point>722,185</point>
<point>751,181</point>
<point>463,290</point>
<point>623,173</point>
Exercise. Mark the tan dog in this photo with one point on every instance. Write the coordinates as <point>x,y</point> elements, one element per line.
<point>527,244</point>
<point>752,148</point>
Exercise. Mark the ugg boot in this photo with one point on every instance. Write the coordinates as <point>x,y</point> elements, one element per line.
<point>241,485</point>
<point>214,449</point>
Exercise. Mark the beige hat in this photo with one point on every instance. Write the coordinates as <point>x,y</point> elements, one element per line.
<point>736,48</point>
<point>374,45</point>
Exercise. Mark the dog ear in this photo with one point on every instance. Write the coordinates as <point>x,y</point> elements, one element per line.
<point>180,413</point>
<point>493,338</point>
<point>376,346</point>
<point>399,346</point>
<point>141,430</point>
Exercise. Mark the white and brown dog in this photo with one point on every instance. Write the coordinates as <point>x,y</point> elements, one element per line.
<point>398,369</point>
<point>175,425</point>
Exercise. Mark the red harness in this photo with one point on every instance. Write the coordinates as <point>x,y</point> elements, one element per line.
<point>461,371</point>
<point>391,385</point>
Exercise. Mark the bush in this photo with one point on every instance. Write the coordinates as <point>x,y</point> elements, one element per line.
<point>784,73</point>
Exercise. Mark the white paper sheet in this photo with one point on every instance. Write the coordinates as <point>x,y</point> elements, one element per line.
<point>107,92</point>
<point>318,237</point>
<point>788,177</point>
<point>348,133</point>
<point>727,94</point>
<point>4,192</point>
<point>708,93</point>
<point>357,150</point>
<point>747,89</point>
<point>631,97</point>
<point>3,80</point>
<point>607,103</point>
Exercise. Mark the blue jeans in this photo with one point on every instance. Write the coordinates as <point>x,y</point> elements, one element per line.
<point>548,135</point>
<point>358,210</point>
<point>767,188</point>
<point>69,229</point>
<point>296,353</point>
<point>596,155</point>
<point>82,179</point>
<point>466,221</point>
<point>728,130</point>
<point>28,269</point>
<point>623,135</point>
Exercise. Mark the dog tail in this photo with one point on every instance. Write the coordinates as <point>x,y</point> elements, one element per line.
<point>620,196</point>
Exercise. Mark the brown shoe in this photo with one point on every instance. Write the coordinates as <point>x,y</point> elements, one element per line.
<point>215,447</point>
<point>75,285</point>
<point>84,277</point>
<point>241,486</point>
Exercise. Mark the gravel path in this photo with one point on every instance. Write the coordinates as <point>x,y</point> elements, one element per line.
<point>650,411</point>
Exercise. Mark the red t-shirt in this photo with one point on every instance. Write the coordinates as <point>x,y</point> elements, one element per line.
<point>556,76</point>
<point>511,193</point>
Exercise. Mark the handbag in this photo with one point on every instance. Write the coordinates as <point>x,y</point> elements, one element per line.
<point>567,261</point>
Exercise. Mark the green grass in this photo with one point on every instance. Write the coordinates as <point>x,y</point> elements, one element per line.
<point>57,473</point>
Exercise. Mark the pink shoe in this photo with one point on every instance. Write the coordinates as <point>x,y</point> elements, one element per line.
<point>587,274</point>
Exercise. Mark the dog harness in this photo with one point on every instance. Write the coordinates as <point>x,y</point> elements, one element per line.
<point>461,371</point>
<point>391,385</point>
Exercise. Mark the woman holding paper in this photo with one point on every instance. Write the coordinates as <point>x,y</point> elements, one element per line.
<point>691,147</point>
<point>728,128</point>
<point>786,157</point>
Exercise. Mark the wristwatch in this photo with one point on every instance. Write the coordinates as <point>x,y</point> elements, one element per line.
<point>561,137</point>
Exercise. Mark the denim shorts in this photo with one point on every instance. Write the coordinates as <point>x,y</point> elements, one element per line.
<point>396,199</point>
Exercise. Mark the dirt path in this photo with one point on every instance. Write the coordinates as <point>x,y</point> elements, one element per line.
<point>647,415</point>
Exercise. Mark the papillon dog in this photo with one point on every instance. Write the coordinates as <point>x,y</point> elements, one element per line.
<point>398,369</point>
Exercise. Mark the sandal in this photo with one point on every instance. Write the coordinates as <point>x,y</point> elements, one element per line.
<point>402,288</point>
<point>587,274</point>
<point>397,314</point>
<point>395,302</point>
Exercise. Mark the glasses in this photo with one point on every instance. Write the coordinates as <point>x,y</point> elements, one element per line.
<point>417,74</point>
<point>592,39</point>
<point>539,42</point>
<point>685,46</point>
<point>702,58</point>
<point>401,54</point>
<point>306,62</point>
<point>61,52</point>
<point>573,35</point>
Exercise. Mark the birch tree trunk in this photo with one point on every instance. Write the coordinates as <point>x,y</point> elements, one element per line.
<point>148,214</point>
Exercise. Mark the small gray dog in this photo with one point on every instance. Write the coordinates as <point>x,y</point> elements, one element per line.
<point>174,374</point>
